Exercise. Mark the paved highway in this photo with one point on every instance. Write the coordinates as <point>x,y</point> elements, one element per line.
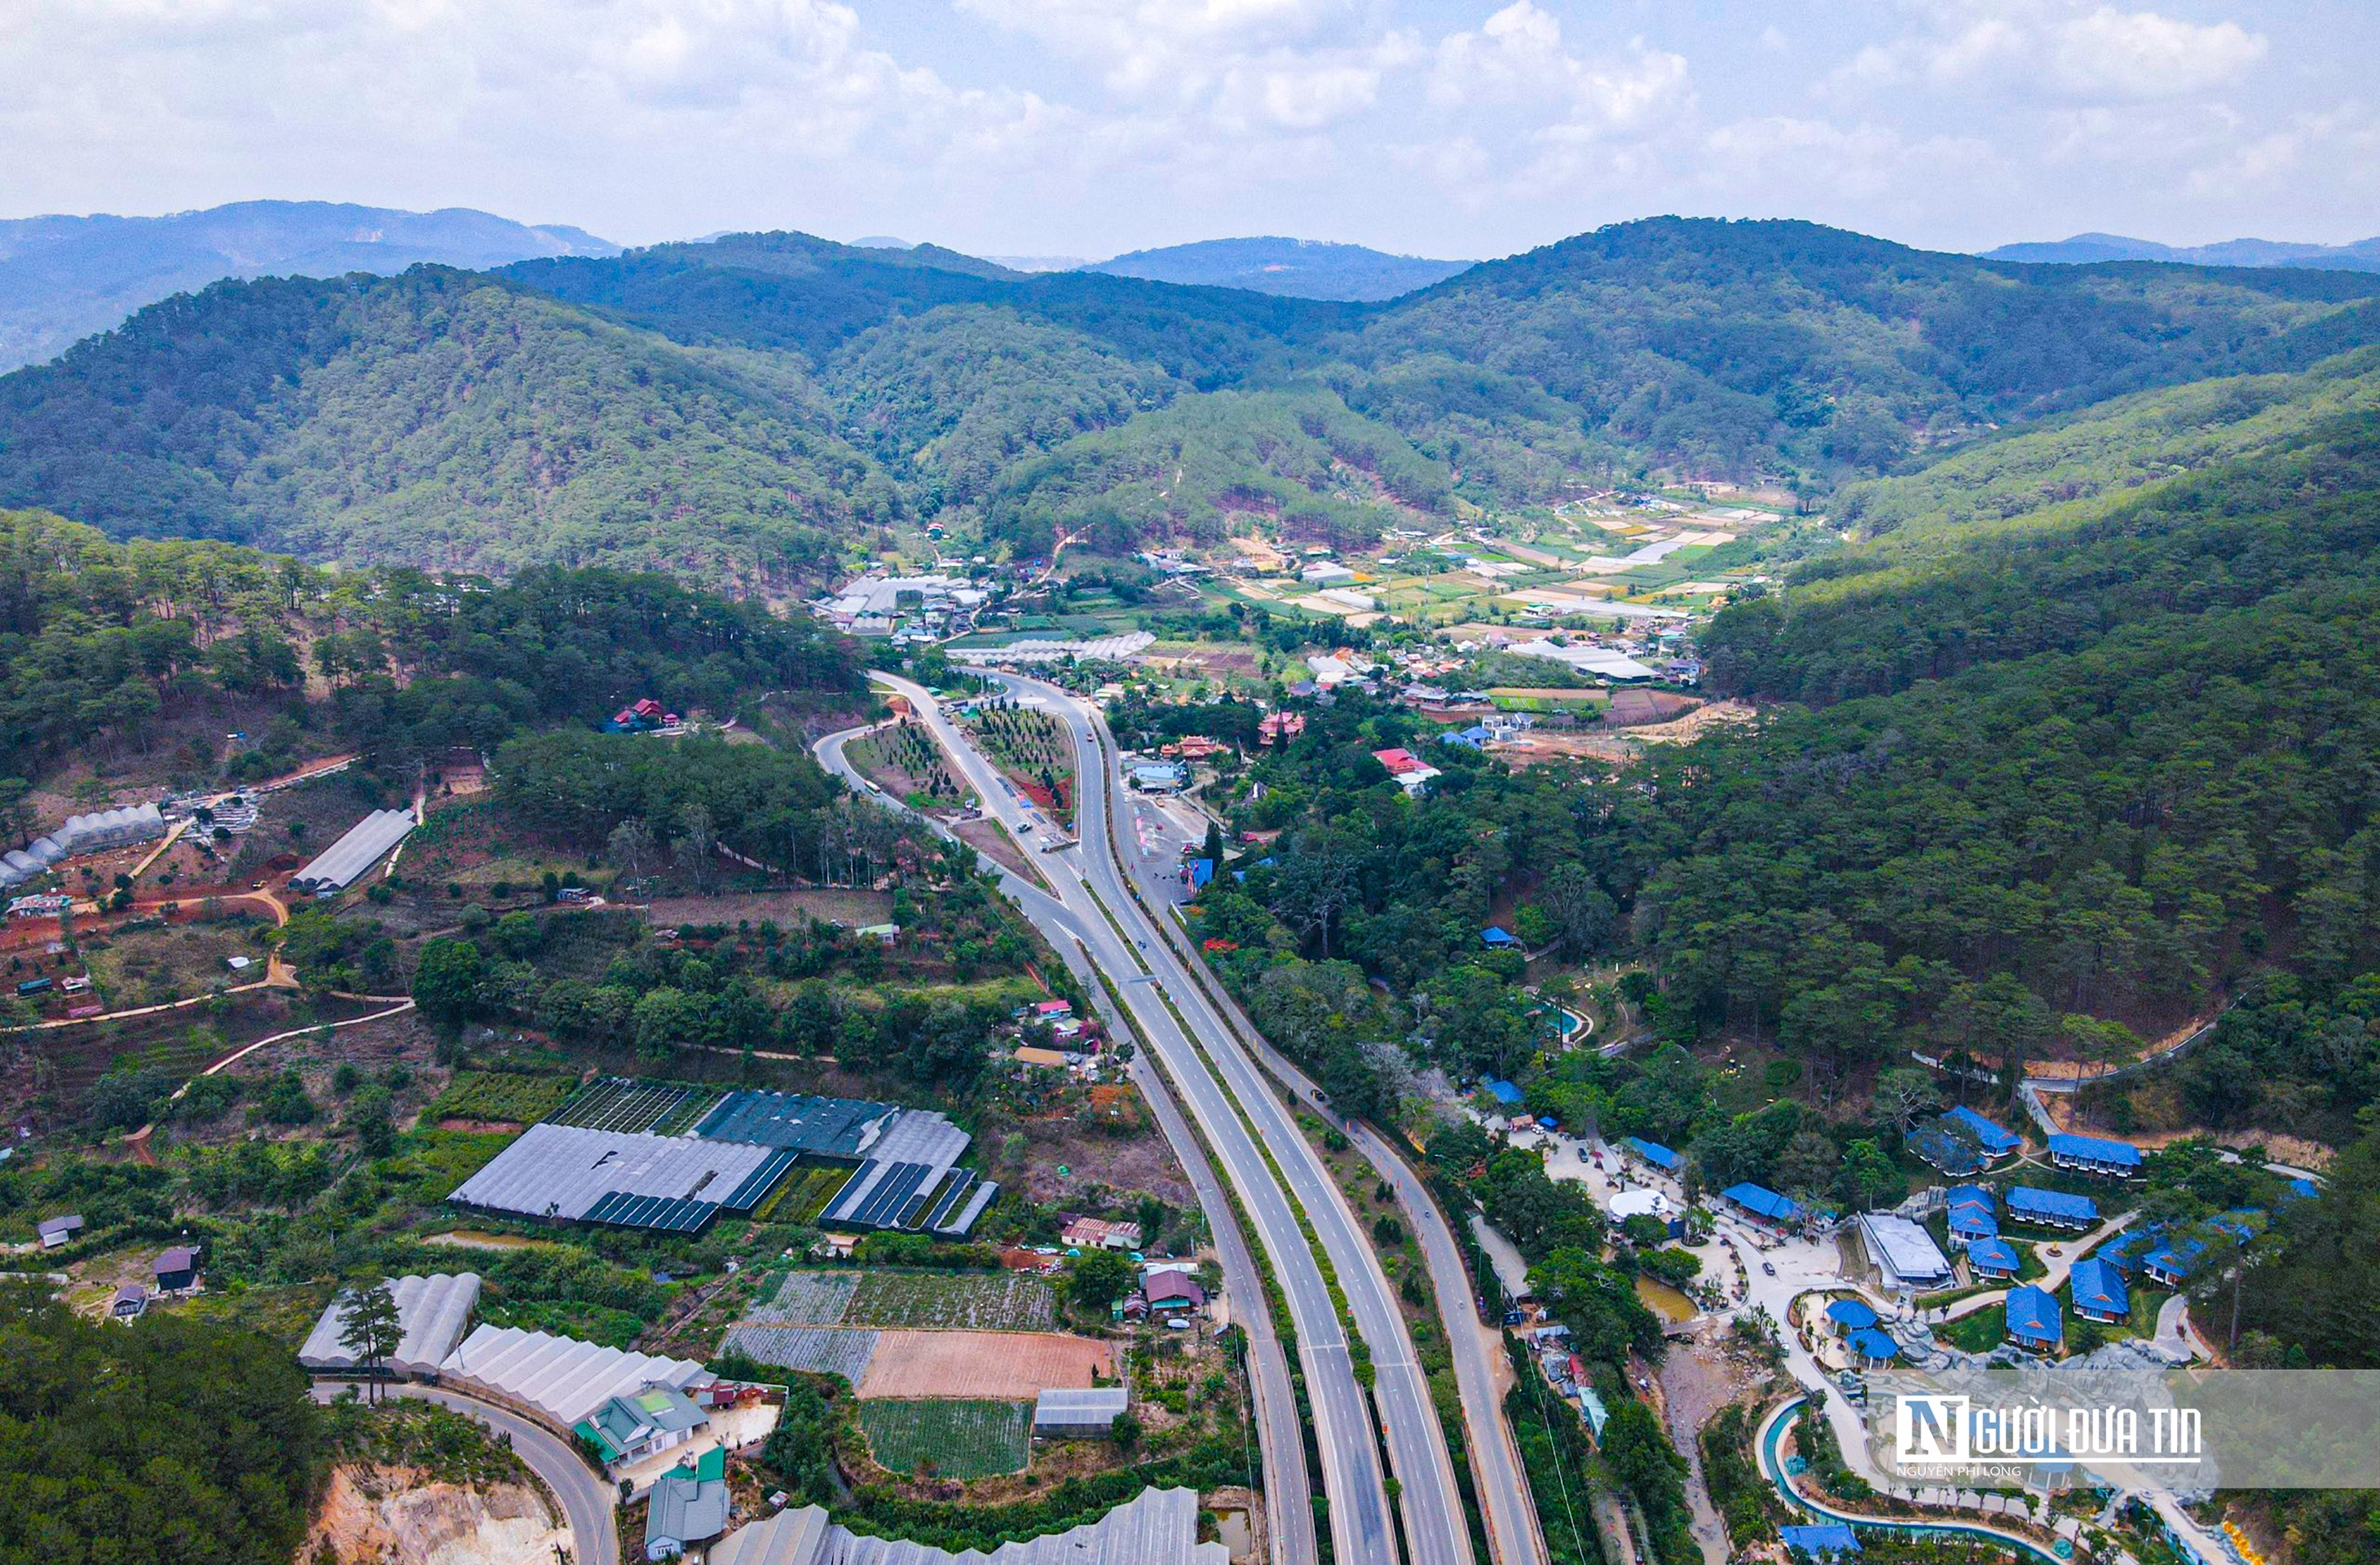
<point>1289,1505</point>
<point>1362,1527</point>
<point>586,1500</point>
<point>1431,1505</point>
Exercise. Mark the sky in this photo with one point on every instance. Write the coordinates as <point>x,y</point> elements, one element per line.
<point>1089,127</point>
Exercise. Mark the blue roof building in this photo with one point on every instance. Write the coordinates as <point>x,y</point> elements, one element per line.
<point>1761,1202</point>
<point>1821,1542</point>
<point>1495,936</point>
<point>2169,1265</point>
<point>1875,1347</point>
<point>1473,737</point>
<point>2052,1208</point>
<point>2100,1292</point>
<point>1197,872</point>
<point>2034,1320</point>
<point>1946,1145</point>
<point>1851,1314</point>
<point>1996,1142</point>
<point>1654,1153</point>
<point>1993,1259</point>
<point>2303,1186</point>
<point>1501,1091</point>
<point>2123,1252</point>
<point>2240,1225</point>
<point>1970,1215</point>
<point>2093,1154</point>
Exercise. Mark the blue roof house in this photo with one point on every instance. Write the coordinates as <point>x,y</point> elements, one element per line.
<point>2302,1186</point>
<point>1992,1259</point>
<point>2100,1292</point>
<point>1822,1543</point>
<point>1995,1142</point>
<point>2034,1320</point>
<point>2171,1264</point>
<point>1970,1215</point>
<point>1495,936</point>
<point>1470,738</point>
<point>1502,1091</point>
<point>1759,1201</point>
<point>2052,1208</point>
<point>2093,1154</point>
<point>1654,1153</point>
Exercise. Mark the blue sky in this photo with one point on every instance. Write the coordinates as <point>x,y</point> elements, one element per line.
<point>1087,127</point>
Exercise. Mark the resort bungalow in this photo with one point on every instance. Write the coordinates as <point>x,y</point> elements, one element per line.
<point>2091,1154</point>
<point>1972,1215</point>
<point>1990,1139</point>
<point>1762,1203</point>
<point>2100,1292</point>
<point>2171,1264</point>
<point>1495,936</point>
<point>1993,1260</point>
<point>1654,1154</point>
<point>2052,1208</point>
<point>130,1301</point>
<point>2034,1322</point>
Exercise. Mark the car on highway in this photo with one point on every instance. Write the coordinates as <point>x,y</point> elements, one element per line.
<point>1769,1266</point>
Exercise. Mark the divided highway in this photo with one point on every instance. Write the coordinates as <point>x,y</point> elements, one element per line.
<point>1362,1525</point>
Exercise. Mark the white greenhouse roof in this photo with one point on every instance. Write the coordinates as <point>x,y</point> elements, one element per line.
<point>560,1376</point>
<point>338,865</point>
<point>431,1313</point>
<point>563,1171</point>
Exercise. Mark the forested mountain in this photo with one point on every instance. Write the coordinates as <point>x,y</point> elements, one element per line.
<point>63,278</point>
<point>1311,269</point>
<point>2083,249</point>
<point>731,409</point>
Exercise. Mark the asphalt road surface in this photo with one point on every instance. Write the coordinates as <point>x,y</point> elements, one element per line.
<point>1362,1527</point>
<point>1289,1511</point>
<point>587,1500</point>
<point>1436,1531</point>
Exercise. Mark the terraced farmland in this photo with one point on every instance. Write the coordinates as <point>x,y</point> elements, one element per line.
<point>962,1439</point>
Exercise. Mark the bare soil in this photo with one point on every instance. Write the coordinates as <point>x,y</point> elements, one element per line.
<point>789,908</point>
<point>989,1365</point>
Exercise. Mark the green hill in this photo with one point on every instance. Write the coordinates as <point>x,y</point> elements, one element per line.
<point>736,409</point>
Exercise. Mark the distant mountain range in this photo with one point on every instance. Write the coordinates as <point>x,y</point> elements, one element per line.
<point>2083,249</point>
<point>63,278</point>
<point>1310,268</point>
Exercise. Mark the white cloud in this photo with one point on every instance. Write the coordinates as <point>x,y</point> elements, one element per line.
<point>2142,55</point>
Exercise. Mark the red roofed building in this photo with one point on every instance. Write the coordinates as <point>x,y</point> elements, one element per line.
<point>1410,770</point>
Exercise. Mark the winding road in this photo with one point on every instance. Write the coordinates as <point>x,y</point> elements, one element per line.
<point>586,1500</point>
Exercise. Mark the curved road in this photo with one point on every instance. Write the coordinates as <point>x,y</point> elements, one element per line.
<point>588,1502</point>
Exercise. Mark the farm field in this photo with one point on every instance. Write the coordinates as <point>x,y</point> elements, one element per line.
<point>815,1350</point>
<point>979,1363</point>
<point>960,1439</point>
<point>808,1298</point>
<point>917,1300</point>
<point>500,1098</point>
<point>1009,1301</point>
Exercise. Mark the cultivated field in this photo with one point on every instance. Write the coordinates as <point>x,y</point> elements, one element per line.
<point>804,1194</point>
<point>499,1098</point>
<point>925,1299</point>
<point>1007,1301</point>
<point>961,1439</point>
<point>977,1364</point>
<point>808,1298</point>
<point>818,1349</point>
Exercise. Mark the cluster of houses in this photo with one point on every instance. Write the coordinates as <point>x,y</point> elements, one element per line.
<point>907,609</point>
<point>173,1275</point>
